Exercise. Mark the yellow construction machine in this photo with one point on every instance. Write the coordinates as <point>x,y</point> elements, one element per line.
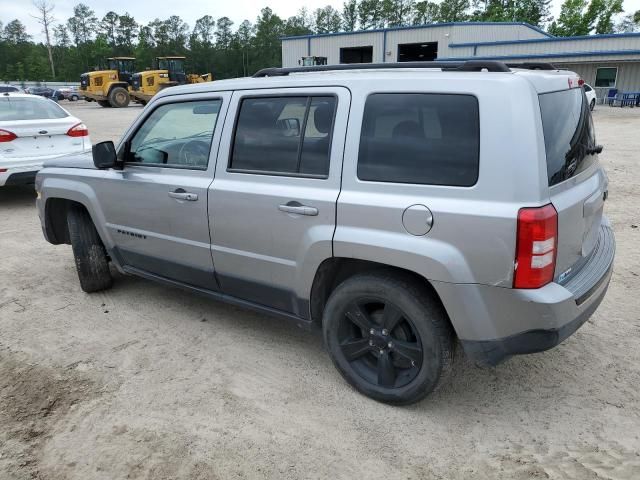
<point>110,88</point>
<point>170,71</point>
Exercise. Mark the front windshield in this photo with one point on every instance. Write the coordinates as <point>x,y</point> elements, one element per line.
<point>124,66</point>
<point>26,108</point>
<point>173,64</point>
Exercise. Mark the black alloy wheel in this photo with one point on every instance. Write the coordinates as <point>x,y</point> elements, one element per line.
<point>388,336</point>
<point>380,342</point>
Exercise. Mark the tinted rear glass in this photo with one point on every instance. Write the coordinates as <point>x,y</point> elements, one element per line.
<point>25,108</point>
<point>421,138</point>
<point>568,134</point>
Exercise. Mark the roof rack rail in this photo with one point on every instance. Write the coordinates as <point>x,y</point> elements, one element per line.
<point>467,66</point>
<point>533,66</point>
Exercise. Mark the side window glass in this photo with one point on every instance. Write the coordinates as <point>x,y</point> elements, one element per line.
<point>284,135</point>
<point>430,139</point>
<point>176,135</point>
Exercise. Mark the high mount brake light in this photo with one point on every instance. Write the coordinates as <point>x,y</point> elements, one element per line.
<point>536,247</point>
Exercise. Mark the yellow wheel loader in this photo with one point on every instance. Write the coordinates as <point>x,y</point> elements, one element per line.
<point>110,88</point>
<point>170,71</point>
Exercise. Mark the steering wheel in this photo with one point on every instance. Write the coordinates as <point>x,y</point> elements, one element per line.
<point>194,152</point>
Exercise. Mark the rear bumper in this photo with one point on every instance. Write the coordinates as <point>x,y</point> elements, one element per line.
<point>494,323</point>
<point>19,174</point>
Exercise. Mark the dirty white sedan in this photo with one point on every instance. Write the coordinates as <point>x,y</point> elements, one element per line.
<point>34,129</point>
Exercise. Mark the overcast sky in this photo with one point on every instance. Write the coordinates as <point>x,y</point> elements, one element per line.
<point>146,10</point>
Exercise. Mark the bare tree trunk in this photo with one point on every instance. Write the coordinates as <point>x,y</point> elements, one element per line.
<point>45,18</point>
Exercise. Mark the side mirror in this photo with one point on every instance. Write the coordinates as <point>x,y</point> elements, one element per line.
<point>104,155</point>
<point>291,126</point>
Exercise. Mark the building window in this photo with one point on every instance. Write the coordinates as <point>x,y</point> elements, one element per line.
<point>418,52</point>
<point>606,77</point>
<point>356,55</point>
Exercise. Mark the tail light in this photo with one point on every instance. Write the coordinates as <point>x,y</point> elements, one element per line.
<point>7,136</point>
<point>536,247</point>
<point>79,130</point>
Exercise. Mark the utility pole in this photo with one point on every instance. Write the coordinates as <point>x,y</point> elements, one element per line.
<point>45,18</point>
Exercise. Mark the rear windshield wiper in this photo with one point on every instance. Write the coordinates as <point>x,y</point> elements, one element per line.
<point>595,149</point>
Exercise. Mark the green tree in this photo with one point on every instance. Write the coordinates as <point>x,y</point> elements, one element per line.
<point>223,32</point>
<point>327,20</point>
<point>15,33</point>
<point>577,17</point>
<point>126,33</point>
<point>370,14</point>
<point>266,41</point>
<point>82,24</point>
<point>425,12</point>
<point>397,13</point>
<point>350,15</point>
<point>453,11</point>
<point>108,28</point>
<point>629,23</point>
<point>299,24</point>
<point>177,33</point>
<point>204,30</point>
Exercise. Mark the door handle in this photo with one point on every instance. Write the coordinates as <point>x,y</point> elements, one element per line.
<point>180,194</point>
<point>298,208</point>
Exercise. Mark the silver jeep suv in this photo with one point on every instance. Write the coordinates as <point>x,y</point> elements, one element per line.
<point>403,208</point>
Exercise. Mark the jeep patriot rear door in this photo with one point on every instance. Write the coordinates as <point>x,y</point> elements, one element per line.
<point>273,202</point>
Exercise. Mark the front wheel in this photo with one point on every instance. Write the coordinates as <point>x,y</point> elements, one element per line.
<point>592,105</point>
<point>119,97</point>
<point>89,253</point>
<point>388,337</point>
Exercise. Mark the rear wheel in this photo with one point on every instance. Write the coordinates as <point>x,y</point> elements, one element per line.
<point>388,337</point>
<point>119,97</point>
<point>104,103</point>
<point>89,252</point>
<point>73,98</point>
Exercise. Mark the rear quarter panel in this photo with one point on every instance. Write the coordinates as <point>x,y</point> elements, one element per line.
<point>473,235</point>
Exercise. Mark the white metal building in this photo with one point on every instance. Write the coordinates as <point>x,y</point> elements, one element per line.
<point>604,61</point>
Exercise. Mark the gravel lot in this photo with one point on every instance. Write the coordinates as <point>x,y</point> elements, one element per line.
<point>145,381</point>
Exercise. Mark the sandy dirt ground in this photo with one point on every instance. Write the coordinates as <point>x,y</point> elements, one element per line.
<point>148,382</point>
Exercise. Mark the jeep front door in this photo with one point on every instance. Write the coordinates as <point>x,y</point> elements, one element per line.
<point>156,206</point>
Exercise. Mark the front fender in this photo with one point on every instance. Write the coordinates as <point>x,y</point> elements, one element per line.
<point>50,187</point>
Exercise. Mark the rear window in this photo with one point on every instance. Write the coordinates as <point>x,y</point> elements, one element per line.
<point>24,108</point>
<point>420,138</point>
<point>569,137</point>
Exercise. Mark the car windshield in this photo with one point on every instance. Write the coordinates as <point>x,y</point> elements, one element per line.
<point>24,108</point>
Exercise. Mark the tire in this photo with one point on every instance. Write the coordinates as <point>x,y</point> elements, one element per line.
<point>74,98</point>
<point>119,97</point>
<point>89,252</point>
<point>592,105</point>
<point>418,347</point>
<point>104,103</point>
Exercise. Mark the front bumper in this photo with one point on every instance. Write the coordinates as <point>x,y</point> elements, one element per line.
<point>140,96</point>
<point>95,96</point>
<point>494,323</point>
